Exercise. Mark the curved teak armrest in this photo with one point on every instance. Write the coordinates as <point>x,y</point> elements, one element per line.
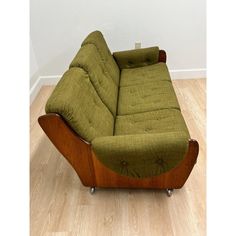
<point>141,155</point>
<point>93,173</point>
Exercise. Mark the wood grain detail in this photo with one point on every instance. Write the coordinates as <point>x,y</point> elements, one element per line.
<point>71,146</point>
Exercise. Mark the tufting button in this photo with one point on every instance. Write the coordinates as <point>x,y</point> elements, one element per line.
<point>147,129</point>
<point>159,161</point>
<point>124,163</point>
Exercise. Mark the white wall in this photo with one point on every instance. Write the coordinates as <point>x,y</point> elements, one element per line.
<point>59,26</point>
<point>33,62</point>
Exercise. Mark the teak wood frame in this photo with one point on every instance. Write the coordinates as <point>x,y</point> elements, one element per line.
<point>93,173</point>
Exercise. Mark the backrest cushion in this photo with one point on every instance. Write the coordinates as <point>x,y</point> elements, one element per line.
<point>90,60</point>
<point>96,38</point>
<point>76,100</point>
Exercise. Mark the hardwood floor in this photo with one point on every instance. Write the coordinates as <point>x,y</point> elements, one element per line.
<point>61,206</point>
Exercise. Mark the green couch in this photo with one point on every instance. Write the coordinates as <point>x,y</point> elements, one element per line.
<point>124,106</point>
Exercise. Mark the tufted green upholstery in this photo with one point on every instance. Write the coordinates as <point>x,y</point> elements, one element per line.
<point>78,103</point>
<point>96,38</point>
<point>142,75</point>
<point>160,121</point>
<point>146,97</point>
<point>141,155</point>
<point>132,119</point>
<point>89,59</point>
<point>137,57</point>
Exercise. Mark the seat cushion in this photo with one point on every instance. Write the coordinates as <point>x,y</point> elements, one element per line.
<point>161,121</point>
<point>142,75</point>
<point>147,97</point>
<point>96,38</point>
<point>90,60</point>
<point>76,100</point>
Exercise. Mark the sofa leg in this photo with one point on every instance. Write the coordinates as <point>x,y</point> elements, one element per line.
<point>92,190</point>
<point>169,192</point>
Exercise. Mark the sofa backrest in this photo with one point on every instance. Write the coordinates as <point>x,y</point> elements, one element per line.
<point>76,100</point>
<point>90,60</point>
<point>96,38</point>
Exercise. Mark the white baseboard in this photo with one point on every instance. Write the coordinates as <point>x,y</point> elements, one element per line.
<point>53,79</point>
<point>188,74</point>
<point>42,81</point>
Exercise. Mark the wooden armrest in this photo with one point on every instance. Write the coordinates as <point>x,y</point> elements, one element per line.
<point>162,56</point>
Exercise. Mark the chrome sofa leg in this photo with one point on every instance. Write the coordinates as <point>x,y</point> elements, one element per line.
<point>92,190</point>
<point>169,192</point>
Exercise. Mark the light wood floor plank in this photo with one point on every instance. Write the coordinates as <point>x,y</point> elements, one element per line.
<point>62,206</point>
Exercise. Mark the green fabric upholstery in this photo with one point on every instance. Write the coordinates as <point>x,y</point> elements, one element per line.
<point>142,155</point>
<point>96,38</point>
<point>132,119</point>
<point>161,121</point>
<point>76,100</point>
<point>137,57</point>
<point>146,97</point>
<point>142,75</point>
<point>89,59</point>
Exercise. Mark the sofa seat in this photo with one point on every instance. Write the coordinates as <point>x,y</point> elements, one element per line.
<point>161,121</point>
<point>145,74</point>
<point>146,97</point>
